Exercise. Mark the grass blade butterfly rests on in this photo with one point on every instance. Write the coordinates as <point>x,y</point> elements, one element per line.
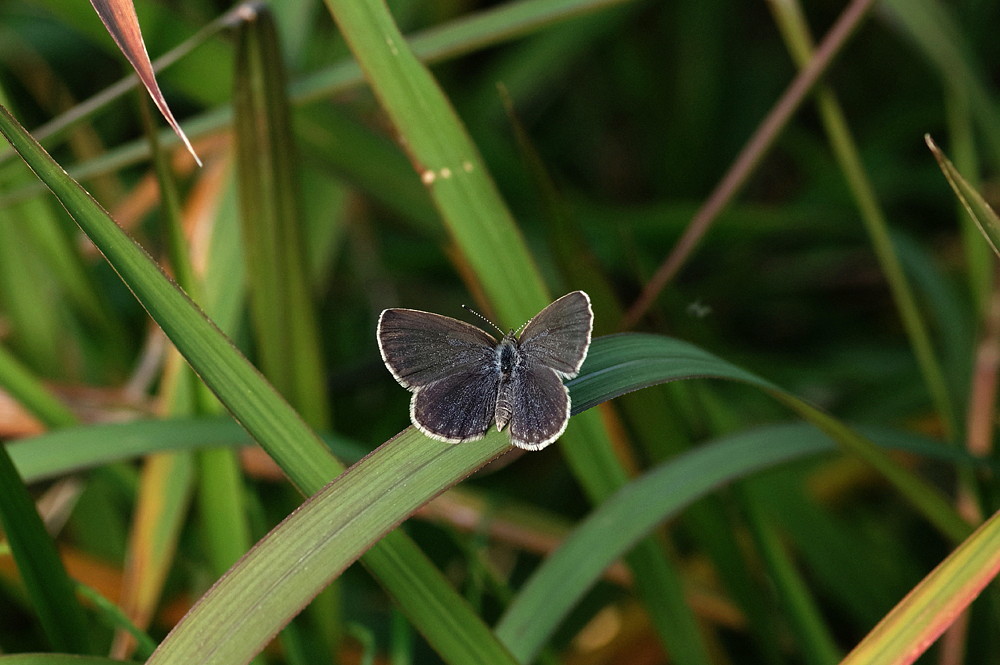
<point>463,380</point>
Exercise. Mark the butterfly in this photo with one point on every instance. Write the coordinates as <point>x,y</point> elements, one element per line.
<point>463,380</point>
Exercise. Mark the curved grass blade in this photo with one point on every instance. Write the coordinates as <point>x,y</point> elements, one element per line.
<point>616,526</point>
<point>650,359</point>
<point>443,617</point>
<point>317,542</point>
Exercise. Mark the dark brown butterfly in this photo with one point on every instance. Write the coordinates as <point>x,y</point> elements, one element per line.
<point>463,380</point>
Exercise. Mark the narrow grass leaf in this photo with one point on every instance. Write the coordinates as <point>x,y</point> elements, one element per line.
<point>650,359</point>
<point>318,541</point>
<point>49,587</point>
<point>30,393</point>
<point>973,202</point>
<point>280,298</point>
<point>615,526</point>
<point>119,18</point>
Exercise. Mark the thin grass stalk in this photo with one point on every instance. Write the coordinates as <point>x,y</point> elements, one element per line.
<point>810,630</point>
<point>796,35</point>
<point>281,307</point>
<point>749,157</point>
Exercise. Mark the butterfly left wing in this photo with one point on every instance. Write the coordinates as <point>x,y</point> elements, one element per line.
<point>457,408</point>
<point>420,348</point>
<point>559,335</point>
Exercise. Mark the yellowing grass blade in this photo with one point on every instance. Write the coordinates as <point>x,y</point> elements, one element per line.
<point>920,618</point>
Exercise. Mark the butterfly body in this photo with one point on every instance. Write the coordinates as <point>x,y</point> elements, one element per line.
<point>463,380</point>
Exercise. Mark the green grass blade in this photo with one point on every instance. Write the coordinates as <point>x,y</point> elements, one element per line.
<point>25,387</point>
<point>49,587</point>
<point>973,202</point>
<point>614,527</point>
<point>280,299</point>
<point>641,360</point>
<point>319,540</point>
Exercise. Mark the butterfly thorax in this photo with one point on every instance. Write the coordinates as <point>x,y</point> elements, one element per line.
<point>507,354</point>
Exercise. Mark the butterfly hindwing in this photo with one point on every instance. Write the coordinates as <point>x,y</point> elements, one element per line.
<point>539,406</point>
<point>457,408</point>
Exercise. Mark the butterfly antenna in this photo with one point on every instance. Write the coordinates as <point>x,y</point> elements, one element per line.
<point>467,308</point>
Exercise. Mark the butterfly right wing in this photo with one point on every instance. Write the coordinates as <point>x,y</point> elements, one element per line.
<point>559,336</point>
<point>420,348</point>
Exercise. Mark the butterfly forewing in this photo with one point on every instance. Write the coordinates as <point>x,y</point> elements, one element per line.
<point>559,336</point>
<point>420,348</point>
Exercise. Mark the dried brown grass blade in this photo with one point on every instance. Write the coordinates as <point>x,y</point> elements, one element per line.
<point>120,19</point>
